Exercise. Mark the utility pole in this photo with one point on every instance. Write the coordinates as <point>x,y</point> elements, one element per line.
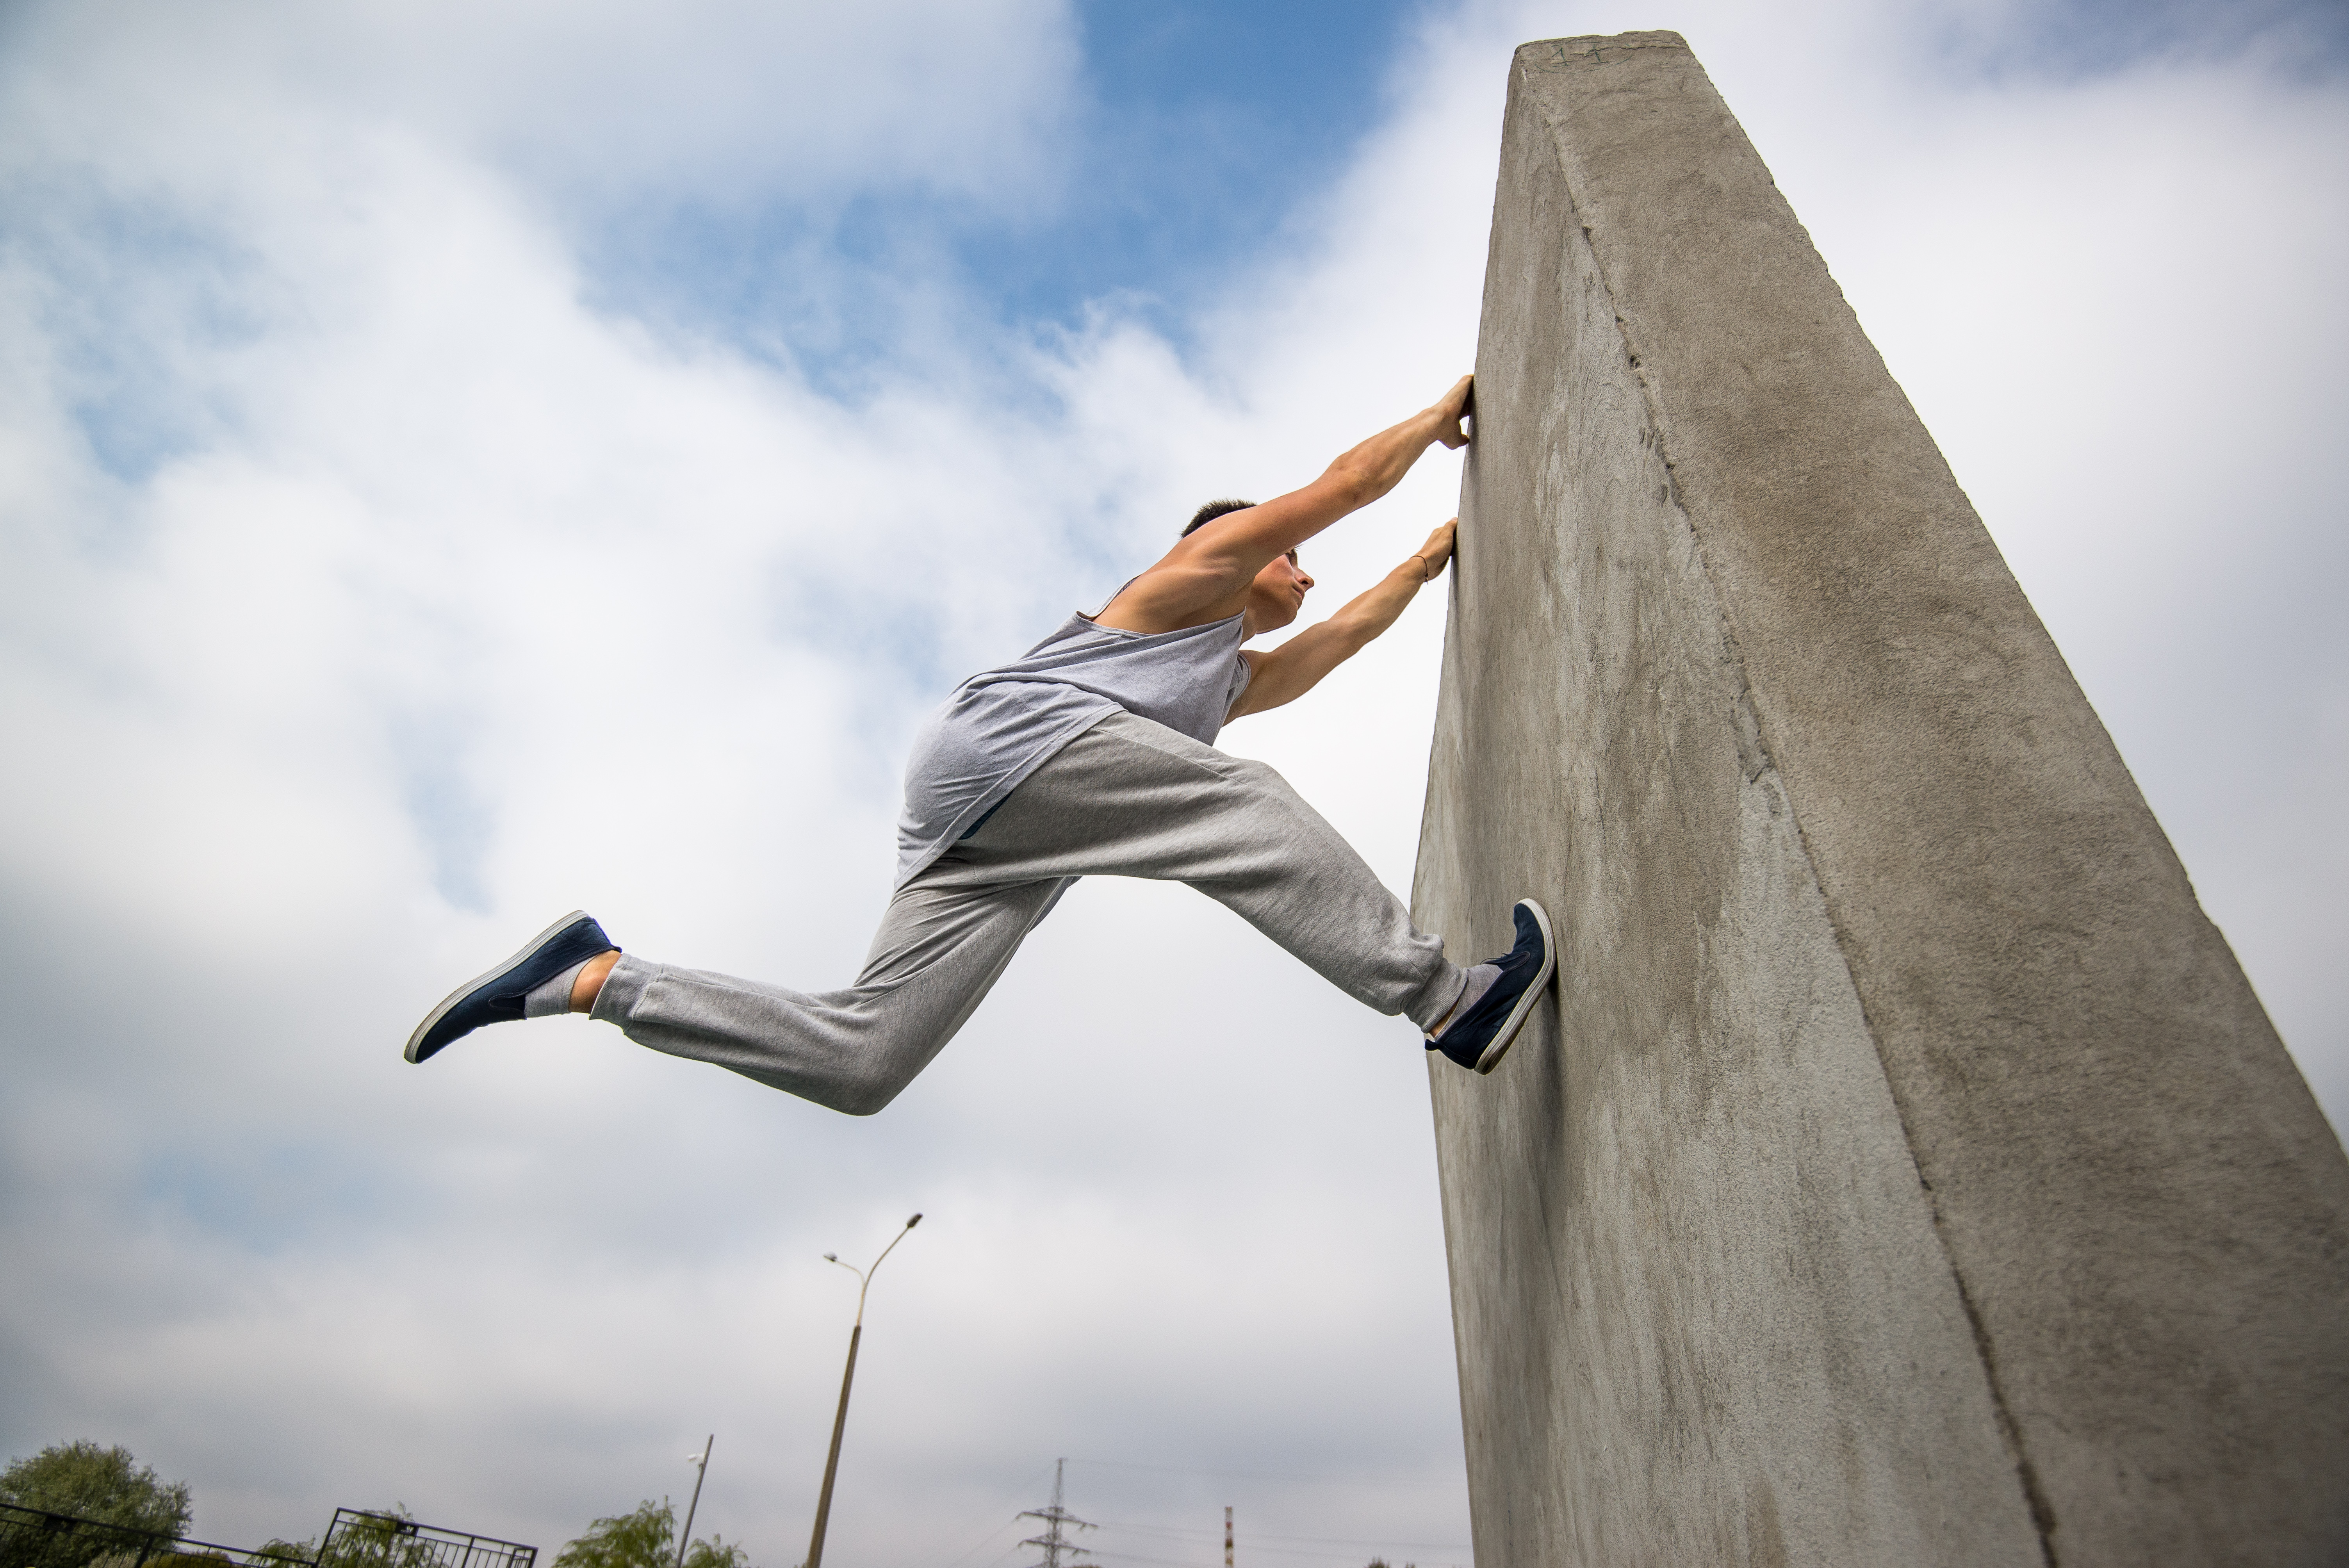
<point>1227,1535</point>
<point>1056,1518</point>
<point>700,1471</point>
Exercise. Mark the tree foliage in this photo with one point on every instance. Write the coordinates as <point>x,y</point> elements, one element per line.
<point>127,1505</point>
<point>376,1540</point>
<point>372,1540</point>
<point>105,1484</point>
<point>646,1538</point>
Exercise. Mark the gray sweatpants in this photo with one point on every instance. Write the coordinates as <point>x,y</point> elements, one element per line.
<point>1127,798</point>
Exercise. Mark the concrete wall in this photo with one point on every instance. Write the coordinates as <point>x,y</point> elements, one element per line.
<point>1905,1173</point>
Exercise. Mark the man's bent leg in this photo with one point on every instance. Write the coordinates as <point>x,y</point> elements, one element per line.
<point>938,951</point>
<point>1131,798</point>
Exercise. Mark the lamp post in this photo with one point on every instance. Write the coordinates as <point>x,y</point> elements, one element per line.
<point>700,1463</point>
<point>840,1421</point>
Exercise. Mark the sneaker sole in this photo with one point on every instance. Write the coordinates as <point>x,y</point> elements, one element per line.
<point>478,980</point>
<point>1498,1046</point>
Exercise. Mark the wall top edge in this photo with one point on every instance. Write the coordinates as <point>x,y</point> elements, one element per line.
<point>1598,46</point>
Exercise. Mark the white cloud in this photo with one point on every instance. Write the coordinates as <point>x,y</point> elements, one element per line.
<point>708,99</point>
<point>418,596</point>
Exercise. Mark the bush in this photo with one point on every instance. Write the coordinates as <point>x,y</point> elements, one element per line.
<point>646,1539</point>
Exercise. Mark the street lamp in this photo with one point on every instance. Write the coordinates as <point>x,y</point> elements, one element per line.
<point>839,1422</point>
<point>700,1463</point>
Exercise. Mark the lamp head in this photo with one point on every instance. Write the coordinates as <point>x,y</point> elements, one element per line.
<point>832,1257</point>
<point>912,1222</point>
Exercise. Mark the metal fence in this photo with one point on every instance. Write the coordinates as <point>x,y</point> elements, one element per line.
<point>359,1539</point>
<point>31,1538</point>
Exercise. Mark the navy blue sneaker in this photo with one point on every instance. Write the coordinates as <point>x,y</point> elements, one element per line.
<point>497,996</point>
<point>1481,1034</point>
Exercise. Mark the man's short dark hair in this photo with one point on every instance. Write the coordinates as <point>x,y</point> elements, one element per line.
<point>1212,510</point>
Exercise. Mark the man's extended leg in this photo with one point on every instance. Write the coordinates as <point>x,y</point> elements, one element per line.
<point>939,950</point>
<point>1131,798</point>
<point>1128,798</point>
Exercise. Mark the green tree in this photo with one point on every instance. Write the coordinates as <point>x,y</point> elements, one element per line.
<point>646,1539</point>
<point>376,1540</point>
<point>91,1483</point>
<point>373,1540</point>
<point>291,1551</point>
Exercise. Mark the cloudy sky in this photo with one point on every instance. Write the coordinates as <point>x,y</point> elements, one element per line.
<point>457,463</point>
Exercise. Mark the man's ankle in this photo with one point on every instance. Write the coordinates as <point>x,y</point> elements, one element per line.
<point>1474,981</point>
<point>590,983</point>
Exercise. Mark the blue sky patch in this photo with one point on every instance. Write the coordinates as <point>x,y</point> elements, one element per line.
<point>1200,131</point>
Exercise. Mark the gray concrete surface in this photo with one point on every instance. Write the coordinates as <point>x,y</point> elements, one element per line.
<point>1906,1172</point>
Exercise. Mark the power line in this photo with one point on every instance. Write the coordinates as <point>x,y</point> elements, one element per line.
<point>1388,1480</point>
<point>1319,1555</point>
<point>991,1509</point>
<point>1251,1536</point>
<point>1170,1562</point>
<point>1062,1552</point>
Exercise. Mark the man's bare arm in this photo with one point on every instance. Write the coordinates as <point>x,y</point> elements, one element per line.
<point>1285,672</point>
<point>1206,576</point>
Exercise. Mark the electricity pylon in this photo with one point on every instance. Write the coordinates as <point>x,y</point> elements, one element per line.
<point>1057,1518</point>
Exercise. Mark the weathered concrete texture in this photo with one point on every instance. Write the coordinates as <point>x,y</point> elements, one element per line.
<point>1906,1173</point>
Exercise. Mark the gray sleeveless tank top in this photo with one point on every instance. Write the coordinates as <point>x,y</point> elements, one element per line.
<point>1003,724</point>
